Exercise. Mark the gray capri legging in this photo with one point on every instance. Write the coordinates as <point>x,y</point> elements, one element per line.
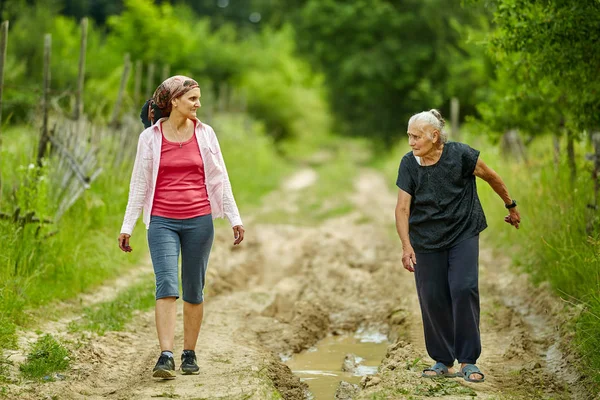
<point>194,237</point>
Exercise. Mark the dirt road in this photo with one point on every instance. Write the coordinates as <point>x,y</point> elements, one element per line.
<point>288,286</point>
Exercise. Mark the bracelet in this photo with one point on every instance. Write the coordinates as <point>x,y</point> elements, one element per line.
<point>511,205</point>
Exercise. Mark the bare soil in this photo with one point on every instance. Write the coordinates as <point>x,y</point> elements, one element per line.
<point>286,287</point>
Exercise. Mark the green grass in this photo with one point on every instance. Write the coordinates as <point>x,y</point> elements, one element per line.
<point>114,315</point>
<point>45,357</point>
<point>559,238</point>
<point>253,163</point>
<point>4,365</point>
<point>329,196</point>
<point>443,388</point>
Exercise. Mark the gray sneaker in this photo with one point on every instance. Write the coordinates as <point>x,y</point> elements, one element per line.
<point>164,368</point>
<point>188,363</point>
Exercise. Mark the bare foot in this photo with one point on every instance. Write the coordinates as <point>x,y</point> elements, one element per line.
<point>451,371</point>
<point>476,376</point>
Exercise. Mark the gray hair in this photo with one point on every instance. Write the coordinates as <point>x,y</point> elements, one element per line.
<point>434,118</point>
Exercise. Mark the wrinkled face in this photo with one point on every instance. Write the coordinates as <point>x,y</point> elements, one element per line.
<point>188,103</point>
<point>421,138</point>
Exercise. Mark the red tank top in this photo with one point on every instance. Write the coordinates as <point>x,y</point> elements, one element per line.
<point>180,186</point>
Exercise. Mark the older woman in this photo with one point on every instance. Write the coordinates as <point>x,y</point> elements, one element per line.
<point>439,218</point>
<point>180,181</point>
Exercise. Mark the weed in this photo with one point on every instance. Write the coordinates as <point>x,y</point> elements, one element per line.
<point>113,315</point>
<point>416,365</point>
<point>8,336</point>
<point>443,388</point>
<point>46,357</point>
<point>4,363</point>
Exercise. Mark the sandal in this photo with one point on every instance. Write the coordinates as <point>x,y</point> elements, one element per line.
<point>441,371</point>
<point>469,369</point>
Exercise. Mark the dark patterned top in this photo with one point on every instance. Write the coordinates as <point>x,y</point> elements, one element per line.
<point>444,208</point>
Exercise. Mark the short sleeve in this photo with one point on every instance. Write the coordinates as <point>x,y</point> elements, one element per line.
<point>405,180</point>
<point>469,160</point>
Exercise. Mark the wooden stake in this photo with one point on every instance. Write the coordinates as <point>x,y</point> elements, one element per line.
<point>596,170</point>
<point>46,98</point>
<point>150,81</point>
<point>454,116</point>
<point>81,77</point>
<point>3,45</point>
<point>124,78</point>
<point>571,156</point>
<point>137,84</point>
<point>166,71</point>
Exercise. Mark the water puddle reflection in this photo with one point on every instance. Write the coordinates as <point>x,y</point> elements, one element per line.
<point>321,366</point>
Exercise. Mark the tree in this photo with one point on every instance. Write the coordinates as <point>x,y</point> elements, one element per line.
<point>551,48</point>
<point>385,60</point>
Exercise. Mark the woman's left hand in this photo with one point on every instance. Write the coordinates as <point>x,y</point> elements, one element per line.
<point>238,234</point>
<point>513,218</point>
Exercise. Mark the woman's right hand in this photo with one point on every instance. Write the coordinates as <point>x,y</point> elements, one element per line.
<point>409,259</point>
<point>124,243</point>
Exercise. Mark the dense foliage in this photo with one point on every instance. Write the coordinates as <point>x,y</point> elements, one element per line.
<point>385,60</point>
<point>259,71</point>
<point>547,53</point>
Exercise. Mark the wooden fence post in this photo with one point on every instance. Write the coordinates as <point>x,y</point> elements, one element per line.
<point>454,116</point>
<point>556,145</point>
<point>124,79</point>
<point>166,71</point>
<point>3,45</point>
<point>150,81</point>
<point>46,98</point>
<point>137,84</point>
<point>81,77</point>
<point>571,155</point>
<point>596,170</point>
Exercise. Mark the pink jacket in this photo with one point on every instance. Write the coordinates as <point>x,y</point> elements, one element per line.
<point>145,172</point>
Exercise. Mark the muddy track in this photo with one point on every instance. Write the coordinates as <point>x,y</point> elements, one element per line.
<point>287,287</point>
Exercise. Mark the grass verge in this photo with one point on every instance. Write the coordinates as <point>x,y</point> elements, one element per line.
<point>113,315</point>
<point>46,357</point>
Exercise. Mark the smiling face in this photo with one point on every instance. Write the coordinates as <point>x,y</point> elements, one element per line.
<point>422,138</point>
<point>188,103</point>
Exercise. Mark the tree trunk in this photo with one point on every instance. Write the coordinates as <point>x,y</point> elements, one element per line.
<point>556,142</point>
<point>596,170</point>
<point>81,76</point>
<point>454,116</point>
<point>3,44</point>
<point>46,98</point>
<point>571,156</point>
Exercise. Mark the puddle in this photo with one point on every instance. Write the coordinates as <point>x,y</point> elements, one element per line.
<point>321,366</point>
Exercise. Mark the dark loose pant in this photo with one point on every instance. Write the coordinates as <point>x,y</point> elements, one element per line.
<point>447,286</point>
<point>194,237</point>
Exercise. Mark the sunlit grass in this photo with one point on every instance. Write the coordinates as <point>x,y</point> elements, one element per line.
<point>113,315</point>
<point>337,167</point>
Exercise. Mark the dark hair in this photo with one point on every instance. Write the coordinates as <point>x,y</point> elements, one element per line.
<point>157,113</point>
